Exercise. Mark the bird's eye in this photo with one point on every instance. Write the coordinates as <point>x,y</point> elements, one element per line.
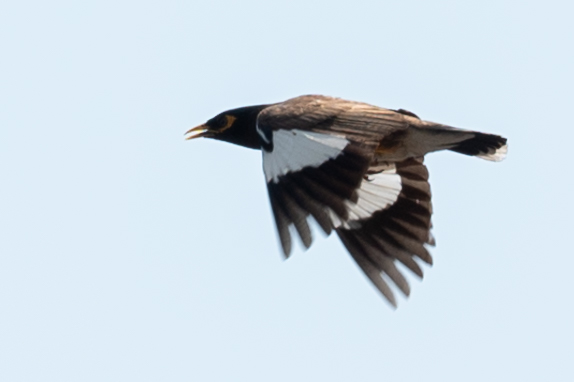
<point>224,122</point>
<point>220,121</point>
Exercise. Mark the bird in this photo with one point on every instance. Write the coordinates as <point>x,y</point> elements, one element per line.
<point>355,169</point>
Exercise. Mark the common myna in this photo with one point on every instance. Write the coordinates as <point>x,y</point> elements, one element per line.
<point>356,169</point>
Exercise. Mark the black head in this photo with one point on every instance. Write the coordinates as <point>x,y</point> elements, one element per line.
<point>236,126</point>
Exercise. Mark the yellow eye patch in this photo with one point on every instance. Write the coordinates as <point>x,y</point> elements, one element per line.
<point>229,120</point>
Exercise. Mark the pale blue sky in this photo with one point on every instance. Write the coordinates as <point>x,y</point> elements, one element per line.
<point>127,253</point>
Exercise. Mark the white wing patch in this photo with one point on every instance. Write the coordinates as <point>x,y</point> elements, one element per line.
<point>496,156</point>
<point>294,150</point>
<point>378,193</point>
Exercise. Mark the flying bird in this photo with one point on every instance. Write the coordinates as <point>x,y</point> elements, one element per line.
<point>356,169</point>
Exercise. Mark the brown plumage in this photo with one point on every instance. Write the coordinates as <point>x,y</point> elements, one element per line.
<point>354,168</point>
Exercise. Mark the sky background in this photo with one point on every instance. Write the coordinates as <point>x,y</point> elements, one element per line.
<point>129,254</point>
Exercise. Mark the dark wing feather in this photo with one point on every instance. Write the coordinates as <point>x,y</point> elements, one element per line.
<point>320,192</point>
<point>375,232</point>
<point>399,232</point>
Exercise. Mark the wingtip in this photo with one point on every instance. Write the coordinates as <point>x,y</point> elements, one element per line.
<point>286,250</point>
<point>393,304</point>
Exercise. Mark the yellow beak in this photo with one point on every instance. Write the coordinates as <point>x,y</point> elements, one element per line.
<point>197,132</point>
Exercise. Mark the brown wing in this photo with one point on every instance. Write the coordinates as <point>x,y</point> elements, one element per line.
<point>357,121</point>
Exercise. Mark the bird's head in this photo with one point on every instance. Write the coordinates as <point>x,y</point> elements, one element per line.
<point>236,126</point>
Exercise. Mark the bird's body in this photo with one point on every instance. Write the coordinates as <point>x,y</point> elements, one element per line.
<point>356,169</point>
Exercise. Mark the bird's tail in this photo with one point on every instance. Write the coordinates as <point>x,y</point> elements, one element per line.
<point>486,146</point>
<point>441,137</point>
